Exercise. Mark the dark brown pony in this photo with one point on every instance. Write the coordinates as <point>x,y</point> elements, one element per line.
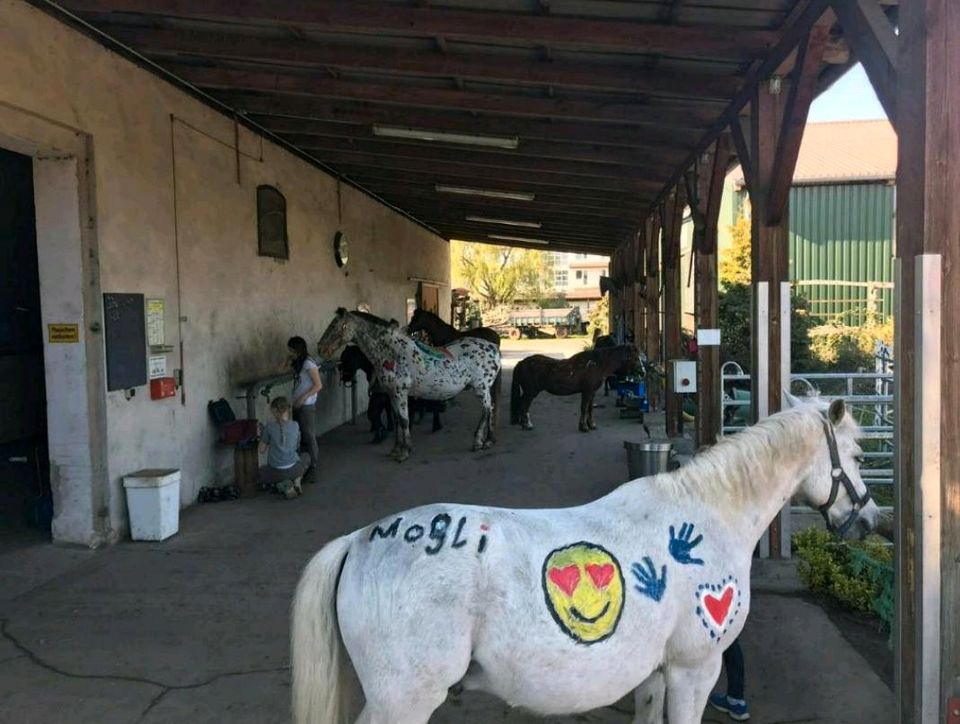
<point>583,373</point>
<point>441,333</point>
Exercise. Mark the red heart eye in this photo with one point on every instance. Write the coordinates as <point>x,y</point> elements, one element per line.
<point>566,579</point>
<point>601,574</point>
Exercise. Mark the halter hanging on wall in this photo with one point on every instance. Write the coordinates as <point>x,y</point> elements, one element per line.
<point>340,247</point>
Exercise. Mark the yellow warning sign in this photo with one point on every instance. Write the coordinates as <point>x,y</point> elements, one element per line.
<point>63,333</point>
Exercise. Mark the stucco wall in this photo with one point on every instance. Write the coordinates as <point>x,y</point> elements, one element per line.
<point>237,309</point>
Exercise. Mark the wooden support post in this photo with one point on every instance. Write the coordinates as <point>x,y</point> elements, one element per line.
<point>673,222</point>
<point>710,190</point>
<point>652,342</point>
<point>927,644</point>
<point>769,259</point>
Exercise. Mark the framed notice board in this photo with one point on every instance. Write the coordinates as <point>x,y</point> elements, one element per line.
<point>125,334</point>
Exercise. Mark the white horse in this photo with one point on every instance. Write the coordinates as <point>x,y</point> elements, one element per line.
<point>566,610</point>
<point>406,367</point>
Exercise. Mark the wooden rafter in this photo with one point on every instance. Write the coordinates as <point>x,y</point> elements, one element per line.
<point>163,43</point>
<point>803,87</point>
<point>360,137</point>
<point>322,86</point>
<point>872,38</point>
<point>324,147</point>
<point>297,114</point>
<point>364,16</point>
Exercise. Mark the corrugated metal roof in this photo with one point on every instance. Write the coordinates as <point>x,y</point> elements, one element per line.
<point>844,151</point>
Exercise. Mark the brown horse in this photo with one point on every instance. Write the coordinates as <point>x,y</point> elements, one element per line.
<point>583,373</point>
<point>441,334</point>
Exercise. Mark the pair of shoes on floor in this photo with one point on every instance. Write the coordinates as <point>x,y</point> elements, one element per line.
<point>735,708</point>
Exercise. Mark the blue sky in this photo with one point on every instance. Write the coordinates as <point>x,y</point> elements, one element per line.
<point>849,99</point>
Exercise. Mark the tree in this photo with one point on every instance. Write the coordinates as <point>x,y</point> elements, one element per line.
<point>734,309</point>
<point>735,263</point>
<point>500,274</point>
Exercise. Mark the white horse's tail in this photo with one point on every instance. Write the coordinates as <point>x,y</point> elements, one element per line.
<point>322,674</point>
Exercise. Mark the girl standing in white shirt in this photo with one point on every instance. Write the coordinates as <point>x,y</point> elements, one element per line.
<point>304,401</point>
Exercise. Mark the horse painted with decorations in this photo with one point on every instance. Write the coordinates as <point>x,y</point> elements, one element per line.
<point>405,368</point>
<point>566,610</point>
<point>442,334</point>
<point>352,361</point>
<point>583,373</point>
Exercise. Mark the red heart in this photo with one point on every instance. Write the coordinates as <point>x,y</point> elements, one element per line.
<point>566,579</point>
<point>719,607</point>
<point>601,574</point>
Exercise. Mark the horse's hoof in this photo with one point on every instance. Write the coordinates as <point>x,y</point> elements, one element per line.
<point>593,426</point>
<point>526,427</point>
<point>487,445</point>
<point>402,456</point>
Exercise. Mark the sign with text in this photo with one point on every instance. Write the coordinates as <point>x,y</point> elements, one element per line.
<point>63,333</point>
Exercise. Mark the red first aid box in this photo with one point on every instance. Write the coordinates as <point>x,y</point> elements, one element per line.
<point>161,387</point>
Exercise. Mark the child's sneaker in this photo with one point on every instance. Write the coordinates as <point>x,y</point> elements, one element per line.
<point>736,708</point>
<point>286,489</point>
<point>298,484</point>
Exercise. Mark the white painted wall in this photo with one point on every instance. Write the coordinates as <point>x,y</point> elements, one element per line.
<point>238,309</point>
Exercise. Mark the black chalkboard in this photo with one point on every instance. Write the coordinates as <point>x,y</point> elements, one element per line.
<point>125,332</point>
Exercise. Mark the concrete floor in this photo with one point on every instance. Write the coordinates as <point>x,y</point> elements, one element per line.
<point>195,628</point>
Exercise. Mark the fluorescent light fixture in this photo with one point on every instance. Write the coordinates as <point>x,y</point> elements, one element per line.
<point>524,239</point>
<point>466,139</point>
<point>506,222</point>
<point>489,193</point>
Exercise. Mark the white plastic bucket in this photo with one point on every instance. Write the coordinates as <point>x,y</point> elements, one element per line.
<point>153,503</point>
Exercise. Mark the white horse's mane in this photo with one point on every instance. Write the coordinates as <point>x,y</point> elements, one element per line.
<point>736,468</point>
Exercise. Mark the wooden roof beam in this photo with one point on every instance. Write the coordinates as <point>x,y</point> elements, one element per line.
<point>158,43</point>
<point>803,87</point>
<point>871,36</point>
<point>365,16</point>
<point>465,157</point>
<point>473,175</point>
<point>406,95</point>
<point>360,137</point>
<point>296,114</point>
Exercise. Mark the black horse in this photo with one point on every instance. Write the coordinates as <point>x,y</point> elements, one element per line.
<point>352,359</point>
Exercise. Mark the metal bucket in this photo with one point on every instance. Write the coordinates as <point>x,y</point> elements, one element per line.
<point>648,458</point>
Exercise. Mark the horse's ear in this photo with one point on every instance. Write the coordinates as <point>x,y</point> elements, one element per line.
<point>792,400</point>
<point>838,409</point>
<point>341,311</point>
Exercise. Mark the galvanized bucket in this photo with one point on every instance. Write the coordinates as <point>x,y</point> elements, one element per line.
<point>648,458</point>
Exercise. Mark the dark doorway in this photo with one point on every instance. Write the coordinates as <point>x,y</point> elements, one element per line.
<point>25,501</point>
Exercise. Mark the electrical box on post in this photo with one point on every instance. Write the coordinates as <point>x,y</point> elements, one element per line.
<point>162,387</point>
<point>683,376</point>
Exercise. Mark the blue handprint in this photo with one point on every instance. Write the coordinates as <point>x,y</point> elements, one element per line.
<point>680,546</point>
<point>647,582</point>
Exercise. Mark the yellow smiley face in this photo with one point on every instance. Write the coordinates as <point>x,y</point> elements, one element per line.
<point>583,587</point>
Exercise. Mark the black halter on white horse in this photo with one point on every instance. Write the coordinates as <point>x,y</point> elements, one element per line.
<point>839,477</point>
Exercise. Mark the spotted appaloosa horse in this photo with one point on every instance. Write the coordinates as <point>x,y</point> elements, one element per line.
<point>566,610</point>
<point>407,368</point>
<point>441,334</point>
<point>583,373</point>
<point>353,360</point>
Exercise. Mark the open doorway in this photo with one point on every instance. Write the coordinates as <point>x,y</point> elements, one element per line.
<point>25,501</point>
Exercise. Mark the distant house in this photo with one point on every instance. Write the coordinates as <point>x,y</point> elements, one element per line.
<point>577,277</point>
<point>841,221</point>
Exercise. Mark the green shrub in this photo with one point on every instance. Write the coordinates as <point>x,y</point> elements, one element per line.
<point>858,576</point>
<point>836,347</point>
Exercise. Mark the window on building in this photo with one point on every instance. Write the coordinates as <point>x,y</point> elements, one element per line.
<point>579,274</point>
<point>560,277</point>
<point>586,277</point>
<point>272,223</point>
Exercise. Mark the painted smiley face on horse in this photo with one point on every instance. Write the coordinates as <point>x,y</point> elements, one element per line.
<point>405,367</point>
<point>562,611</point>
